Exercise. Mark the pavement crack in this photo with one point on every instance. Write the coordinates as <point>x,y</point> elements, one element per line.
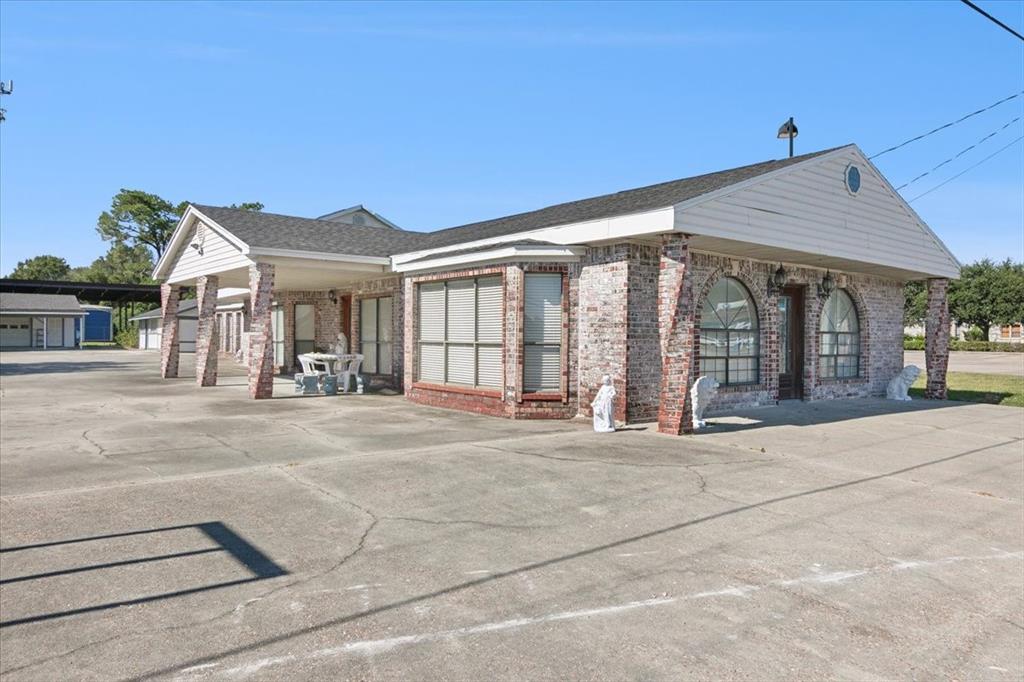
<point>584,460</point>
<point>233,448</point>
<point>455,522</point>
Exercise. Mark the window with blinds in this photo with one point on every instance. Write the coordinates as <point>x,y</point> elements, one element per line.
<point>460,332</point>
<point>542,335</point>
<point>375,334</point>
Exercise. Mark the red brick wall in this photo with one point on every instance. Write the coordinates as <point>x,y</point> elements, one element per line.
<point>509,400</point>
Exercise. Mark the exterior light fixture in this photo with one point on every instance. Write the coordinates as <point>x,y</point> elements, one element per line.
<point>788,131</point>
<point>333,296</point>
<point>777,281</point>
<point>827,285</point>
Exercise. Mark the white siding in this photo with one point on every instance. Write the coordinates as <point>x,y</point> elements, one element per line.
<point>810,210</point>
<point>219,255</point>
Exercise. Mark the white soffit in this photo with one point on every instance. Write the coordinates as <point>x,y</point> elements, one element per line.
<point>498,254</point>
<point>637,224</point>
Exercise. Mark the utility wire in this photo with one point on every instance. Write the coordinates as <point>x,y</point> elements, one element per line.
<point>959,154</point>
<point>947,125</point>
<point>969,168</point>
<point>991,18</point>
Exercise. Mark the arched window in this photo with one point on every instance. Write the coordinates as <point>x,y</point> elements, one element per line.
<point>728,334</point>
<point>840,338</point>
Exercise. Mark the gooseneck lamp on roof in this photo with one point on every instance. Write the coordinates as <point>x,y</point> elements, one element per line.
<point>777,280</point>
<point>788,131</point>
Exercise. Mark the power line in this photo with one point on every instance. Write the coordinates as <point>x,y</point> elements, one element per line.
<point>947,125</point>
<point>991,18</point>
<point>948,180</point>
<point>959,154</point>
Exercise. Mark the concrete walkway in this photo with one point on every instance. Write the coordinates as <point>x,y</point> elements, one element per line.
<point>974,361</point>
<point>154,529</point>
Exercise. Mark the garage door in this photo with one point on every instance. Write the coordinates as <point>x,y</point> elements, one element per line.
<point>14,332</point>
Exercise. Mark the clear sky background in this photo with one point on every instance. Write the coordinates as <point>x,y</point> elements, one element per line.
<point>436,115</point>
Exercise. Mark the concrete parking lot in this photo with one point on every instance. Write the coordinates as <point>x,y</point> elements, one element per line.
<point>980,362</point>
<point>154,530</point>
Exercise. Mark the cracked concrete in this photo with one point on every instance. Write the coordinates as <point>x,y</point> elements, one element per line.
<point>853,541</point>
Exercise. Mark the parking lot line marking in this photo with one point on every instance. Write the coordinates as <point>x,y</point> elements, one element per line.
<point>376,646</point>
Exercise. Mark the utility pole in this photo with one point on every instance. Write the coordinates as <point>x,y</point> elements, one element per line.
<point>5,90</point>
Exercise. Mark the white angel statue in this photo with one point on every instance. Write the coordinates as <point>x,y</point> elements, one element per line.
<point>604,407</point>
<point>341,346</point>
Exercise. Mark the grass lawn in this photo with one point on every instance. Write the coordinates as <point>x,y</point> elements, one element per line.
<point>998,389</point>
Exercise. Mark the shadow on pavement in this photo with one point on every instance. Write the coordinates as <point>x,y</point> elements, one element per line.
<point>258,564</point>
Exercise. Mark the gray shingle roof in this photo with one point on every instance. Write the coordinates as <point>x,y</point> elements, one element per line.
<point>39,303</point>
<point>270,230</point>
<point>273,231</point>
<point>611,205</point>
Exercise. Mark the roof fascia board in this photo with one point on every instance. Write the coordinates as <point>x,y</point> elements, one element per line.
<point>318,255</point>
<point>528,253</point>
<point>622,227</point>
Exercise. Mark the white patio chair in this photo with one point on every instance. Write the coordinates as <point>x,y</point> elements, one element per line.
<point>350,369</point>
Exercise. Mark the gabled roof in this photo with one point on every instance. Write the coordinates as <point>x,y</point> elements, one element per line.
<point>358,208</point>
<point>57,304</point>
<point>610,205</point>
<point>261,230</point>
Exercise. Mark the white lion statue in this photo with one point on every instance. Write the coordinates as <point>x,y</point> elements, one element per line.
<point>703,391</point>
<point>900,384</point>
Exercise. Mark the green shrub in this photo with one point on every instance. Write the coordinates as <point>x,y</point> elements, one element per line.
<point>127,337</point>
<point>986,346</point>
<point>917,343</point>
<point>975,334</point>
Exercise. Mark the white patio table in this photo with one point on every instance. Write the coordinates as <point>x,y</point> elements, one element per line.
<point>330,361</point>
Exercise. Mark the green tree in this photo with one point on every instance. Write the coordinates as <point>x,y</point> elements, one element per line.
<point>123,264</point>
<point>42,267</point>
<point>248,206</point>
<point>915,303</point>
<point>136,217</point>
<point>988,293</point>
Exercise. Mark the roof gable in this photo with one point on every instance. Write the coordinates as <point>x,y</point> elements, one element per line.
<point>810,209</point>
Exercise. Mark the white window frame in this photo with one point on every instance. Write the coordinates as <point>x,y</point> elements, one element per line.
<point>376,342</point>
<point>559,345</point>
<point>476,344</point>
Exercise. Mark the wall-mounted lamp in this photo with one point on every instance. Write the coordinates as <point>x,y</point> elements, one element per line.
<point>777,280</point>
<point>333,295</point>
<point>827,285</point>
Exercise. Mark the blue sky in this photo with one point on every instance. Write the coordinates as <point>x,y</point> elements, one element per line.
<point>439,114</point>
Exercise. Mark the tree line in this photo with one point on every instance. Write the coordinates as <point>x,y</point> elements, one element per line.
<point>138,226</point>
<point>987,294</point>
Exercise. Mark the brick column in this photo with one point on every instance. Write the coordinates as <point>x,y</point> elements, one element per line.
<point>207,330</point>
<point>408,335</point>
<point>261,340</point>
<point>676,323</point>
<point>936,339</point>
<point>170,294</point>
